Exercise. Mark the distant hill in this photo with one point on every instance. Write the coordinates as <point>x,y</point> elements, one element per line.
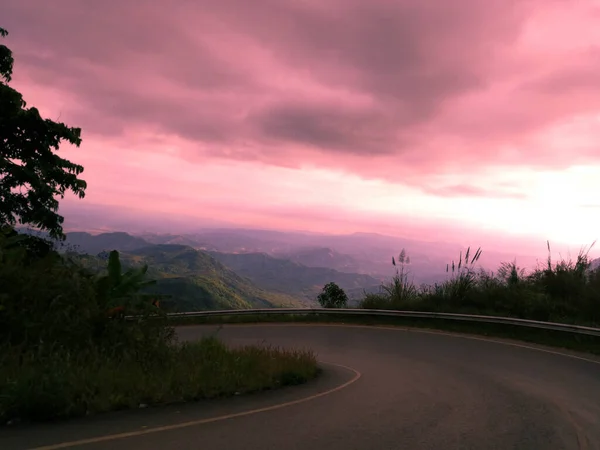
<point>361,253</point>
<point>202,282</point>
<point>285,276</point>
<point>94,244</point>
<point>197,281</point>
<point>322,257</point>
<point>177,239</point>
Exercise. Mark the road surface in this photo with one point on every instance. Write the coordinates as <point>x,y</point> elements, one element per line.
<point>382,389</point>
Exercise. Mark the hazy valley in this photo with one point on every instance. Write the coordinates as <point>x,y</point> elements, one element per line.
<point>240,268</point>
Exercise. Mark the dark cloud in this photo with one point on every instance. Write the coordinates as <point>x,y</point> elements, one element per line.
<point>225,74</point>
<point>328,127</point>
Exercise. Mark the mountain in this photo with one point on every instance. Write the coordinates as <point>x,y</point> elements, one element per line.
<point>94,244</point>
<point>322,257</point>
<point>365,253</point>
<point>202,282</point>
<point>200,279</point>
<point>234,241</point>
<point>359,253</point>
<point>176,239</point>
<point>292,278</point>
<point>362,253</point>
<point>197,281</point>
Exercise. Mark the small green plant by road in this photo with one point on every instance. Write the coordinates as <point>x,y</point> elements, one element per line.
<point>332,296</point>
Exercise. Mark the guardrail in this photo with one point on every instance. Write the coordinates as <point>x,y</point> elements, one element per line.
<point>578,329</point>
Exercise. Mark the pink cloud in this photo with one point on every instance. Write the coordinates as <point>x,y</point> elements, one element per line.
<point>215,73</point>
<point>438,101</point>
<point>465,190</point>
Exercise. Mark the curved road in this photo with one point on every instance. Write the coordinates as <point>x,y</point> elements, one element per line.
<point>382,389</point>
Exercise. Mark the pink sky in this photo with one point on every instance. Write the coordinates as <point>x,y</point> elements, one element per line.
<point>415,117</point>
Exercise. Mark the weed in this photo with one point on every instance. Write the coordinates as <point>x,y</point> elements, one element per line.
<point>58,384</point>
<point>562,291</point>
<point>66,348</point>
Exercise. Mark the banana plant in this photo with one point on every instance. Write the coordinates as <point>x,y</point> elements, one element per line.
<point>121,291</point>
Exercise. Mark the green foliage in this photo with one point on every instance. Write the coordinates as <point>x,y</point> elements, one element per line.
<point>6,59</point>
<point>59,384</point>
<point>49,300</point>
<point>400,291</point>
<point>194,280</point>
<point>31,174</point>
<point>510,273</point>
<point>66,345</point>
<point>62,352</point>
<point>333,296</point>
<point>463,278</point>
<point>29,248</point>
<point>565,291</point>
<point>378,301</point>
<point>116,289</point>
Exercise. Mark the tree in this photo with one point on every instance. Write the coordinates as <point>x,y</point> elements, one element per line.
<point>31,174</point>
<point>332,296</point>
<point>118,291</point>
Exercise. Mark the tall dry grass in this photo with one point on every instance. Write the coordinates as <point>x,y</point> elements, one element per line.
<point>560,290</point>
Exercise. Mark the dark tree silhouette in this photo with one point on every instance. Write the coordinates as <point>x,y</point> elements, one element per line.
<point>332,296</point>
<point>32,176</point>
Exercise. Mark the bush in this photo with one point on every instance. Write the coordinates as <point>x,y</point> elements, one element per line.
<point>67,347</point>
<point>49,302</point>
<point>564,291</point>
<point>400,291</point>
<point>59,384</point>
<point>376,301</point>
<point>333,296</point>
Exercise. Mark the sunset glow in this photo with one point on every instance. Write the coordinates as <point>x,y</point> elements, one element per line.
<point>334,116</point>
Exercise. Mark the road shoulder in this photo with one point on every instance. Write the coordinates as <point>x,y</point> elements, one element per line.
<point>116,425</point>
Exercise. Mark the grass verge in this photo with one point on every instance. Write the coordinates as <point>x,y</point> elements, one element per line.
<point>558,339</point>
<point>59,385</point>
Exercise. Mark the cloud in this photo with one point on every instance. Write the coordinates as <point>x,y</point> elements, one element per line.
<point>326,126</point>
<point>374,78</point>
<point>465,190</point>
<point>443,100</point>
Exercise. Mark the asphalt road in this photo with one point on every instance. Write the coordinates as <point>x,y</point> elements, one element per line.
<point>398,389</point>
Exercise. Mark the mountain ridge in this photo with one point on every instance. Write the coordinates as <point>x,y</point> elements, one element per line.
<point>284,275</point>
<point>249,279</point>
<point>195,280</point>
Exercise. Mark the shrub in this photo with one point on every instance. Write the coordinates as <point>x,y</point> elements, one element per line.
<point>463,278</point>
<point>400,291</point>
<point>565,290</point>
<point>58,384</point>
<point>333,296</point>
<point>376,301</point>
<point>66,347</point>
<point>49,302</point>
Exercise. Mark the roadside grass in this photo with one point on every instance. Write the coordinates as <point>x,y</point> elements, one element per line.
<point>565,291</point>
<point>58,385</point>
<point>67,350</point>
